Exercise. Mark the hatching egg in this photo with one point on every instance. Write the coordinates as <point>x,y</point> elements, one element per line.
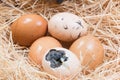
<point>40,46</point>
<point>66,26</point>
<point>28,28</point>
<point>61,63</point>
<point>89,50</point>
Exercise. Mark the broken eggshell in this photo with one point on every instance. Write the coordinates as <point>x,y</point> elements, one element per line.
<point>61,63</point>
<point>66,26</point>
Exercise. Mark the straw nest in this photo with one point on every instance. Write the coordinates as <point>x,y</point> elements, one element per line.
<point>102,16</point>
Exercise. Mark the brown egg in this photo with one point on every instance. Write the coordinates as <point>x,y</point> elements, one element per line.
<point>40,46</point>
<point>61,63</point>
<point>28,28</point>
<point>90,51</point>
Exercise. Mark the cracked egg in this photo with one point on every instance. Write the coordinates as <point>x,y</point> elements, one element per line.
<point>61,63</point>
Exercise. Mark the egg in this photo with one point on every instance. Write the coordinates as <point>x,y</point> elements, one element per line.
<point>90,52</point>
<point>61,63</point>
<point>27,28</point>
<point>40,46</point>
<point>66,26</point>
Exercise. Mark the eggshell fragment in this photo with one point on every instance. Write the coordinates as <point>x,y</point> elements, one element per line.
<point>28,28</point>
<point>89,50</point>
<point>40,46</point>
<point>61,63</point>
<point>67,26</point>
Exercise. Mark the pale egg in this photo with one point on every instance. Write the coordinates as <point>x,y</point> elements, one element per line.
<point>66,26</point>
<point>61,63</point>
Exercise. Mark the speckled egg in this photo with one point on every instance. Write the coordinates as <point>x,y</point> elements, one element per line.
<point>66,26</point>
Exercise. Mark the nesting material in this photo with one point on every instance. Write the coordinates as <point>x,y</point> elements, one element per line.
<point>102,16</point>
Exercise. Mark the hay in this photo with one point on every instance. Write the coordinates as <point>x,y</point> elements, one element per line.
<point>103,17</point>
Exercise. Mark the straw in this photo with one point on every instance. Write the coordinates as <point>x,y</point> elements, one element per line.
<point>102,16</point>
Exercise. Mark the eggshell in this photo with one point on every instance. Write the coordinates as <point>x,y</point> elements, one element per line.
<point>67,26</point>
<point>40,46</point>
<point>28,28</point>
<point>61,63</point>
<point>89,50</point>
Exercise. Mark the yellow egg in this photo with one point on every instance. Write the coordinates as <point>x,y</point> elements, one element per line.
<point>89,50</point>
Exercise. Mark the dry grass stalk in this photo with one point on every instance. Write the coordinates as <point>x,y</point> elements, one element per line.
<point>103,17</point>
